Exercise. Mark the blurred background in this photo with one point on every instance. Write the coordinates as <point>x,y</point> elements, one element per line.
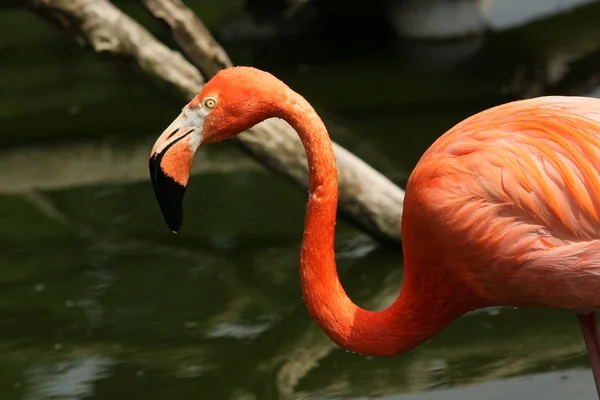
<point>99,300</point>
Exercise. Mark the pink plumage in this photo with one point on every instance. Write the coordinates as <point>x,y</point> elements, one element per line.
<point>515,195</point>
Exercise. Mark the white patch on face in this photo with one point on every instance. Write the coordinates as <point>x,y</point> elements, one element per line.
<point>195,140</point>
<point>194,118</point>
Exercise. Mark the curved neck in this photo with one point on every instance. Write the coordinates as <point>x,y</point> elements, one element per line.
<point>411,320</point>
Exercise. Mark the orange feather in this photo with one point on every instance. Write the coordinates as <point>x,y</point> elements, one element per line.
<point>525,187</point>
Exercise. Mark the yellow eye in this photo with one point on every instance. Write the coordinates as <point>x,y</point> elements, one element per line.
<point>210,102</point>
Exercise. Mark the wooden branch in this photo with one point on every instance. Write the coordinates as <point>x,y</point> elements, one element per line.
<point>114,36</point>
<point>190,34</point>
<point>367,198</point>
<point>84,163</point>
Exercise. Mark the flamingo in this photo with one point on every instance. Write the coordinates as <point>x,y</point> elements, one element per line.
<point>501,210</point>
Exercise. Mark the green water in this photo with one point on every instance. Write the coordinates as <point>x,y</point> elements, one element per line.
<point>98,300</point>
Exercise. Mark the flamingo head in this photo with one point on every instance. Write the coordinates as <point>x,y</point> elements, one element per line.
<point>232,101</point>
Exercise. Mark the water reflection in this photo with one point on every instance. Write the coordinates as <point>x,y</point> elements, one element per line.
<point>71,380</point>
<point>100,301</point>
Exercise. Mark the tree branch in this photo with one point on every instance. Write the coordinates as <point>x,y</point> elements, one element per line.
<point>116,37</point>
<point>190,34</point>
<point>366,197</point>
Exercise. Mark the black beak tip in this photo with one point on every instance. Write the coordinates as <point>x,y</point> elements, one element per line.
<point>175,226</point>
<point>168,193</point>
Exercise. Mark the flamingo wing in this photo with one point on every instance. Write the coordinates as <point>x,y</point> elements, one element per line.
<point>515,192</point>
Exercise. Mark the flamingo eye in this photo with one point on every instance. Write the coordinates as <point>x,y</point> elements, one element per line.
<point>209,102</point>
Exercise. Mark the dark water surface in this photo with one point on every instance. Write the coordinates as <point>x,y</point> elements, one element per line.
<point>98,300</point>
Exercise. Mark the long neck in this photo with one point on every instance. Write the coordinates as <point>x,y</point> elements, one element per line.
<point>411,320</point>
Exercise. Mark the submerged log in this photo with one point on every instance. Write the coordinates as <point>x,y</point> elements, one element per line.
<point>367,198</point>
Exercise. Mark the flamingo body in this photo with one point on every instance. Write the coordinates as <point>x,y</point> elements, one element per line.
<point>510,199</point>
<point>502,210</point>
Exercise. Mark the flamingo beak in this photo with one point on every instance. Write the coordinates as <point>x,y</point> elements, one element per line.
<point>170,165</point>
